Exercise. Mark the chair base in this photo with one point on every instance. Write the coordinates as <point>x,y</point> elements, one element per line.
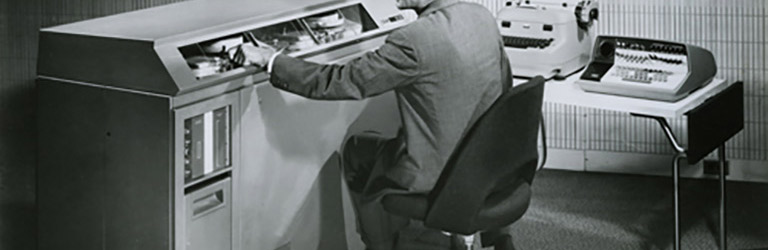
<point>499,242</point>
<point>468,241</point>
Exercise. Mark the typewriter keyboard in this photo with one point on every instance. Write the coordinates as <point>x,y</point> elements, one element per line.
<point>526,42</point>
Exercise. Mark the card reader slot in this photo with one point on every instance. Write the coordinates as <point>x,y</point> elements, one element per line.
<point>208,203</point>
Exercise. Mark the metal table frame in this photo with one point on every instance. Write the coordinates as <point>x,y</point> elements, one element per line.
<point>681,154</point>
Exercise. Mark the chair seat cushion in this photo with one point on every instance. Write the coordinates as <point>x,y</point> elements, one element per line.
<point>504,207</point>
<point>500,209</point>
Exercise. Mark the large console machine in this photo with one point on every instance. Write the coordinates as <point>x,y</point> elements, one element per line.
<point>152,137</point>
<point>551,38</point>
<point>647,68</point>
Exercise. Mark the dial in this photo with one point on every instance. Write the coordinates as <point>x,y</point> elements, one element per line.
<point>606,49</point>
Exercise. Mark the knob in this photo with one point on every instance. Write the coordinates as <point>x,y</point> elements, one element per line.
<point>606,49</point>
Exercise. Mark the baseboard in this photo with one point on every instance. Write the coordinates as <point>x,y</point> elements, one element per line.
<point>565,159</point>
<point>648,164</point>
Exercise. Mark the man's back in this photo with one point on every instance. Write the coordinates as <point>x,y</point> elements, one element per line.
<point>446,68</point>
<point>462,71</point>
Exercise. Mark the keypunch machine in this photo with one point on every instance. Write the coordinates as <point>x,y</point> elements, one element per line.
<point>152,137</point>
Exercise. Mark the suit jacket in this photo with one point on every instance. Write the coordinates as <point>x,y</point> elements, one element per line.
<point>446,69</point>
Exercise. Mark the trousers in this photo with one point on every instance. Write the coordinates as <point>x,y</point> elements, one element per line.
<point>365,157</point>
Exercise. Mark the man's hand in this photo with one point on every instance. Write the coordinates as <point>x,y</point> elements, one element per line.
<point>248,54</point>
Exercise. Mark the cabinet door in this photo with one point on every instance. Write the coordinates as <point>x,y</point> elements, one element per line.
<point>209,216</point>
<point>206,153</point>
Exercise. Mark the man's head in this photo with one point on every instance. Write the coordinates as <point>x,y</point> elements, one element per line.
<point>413,4</point>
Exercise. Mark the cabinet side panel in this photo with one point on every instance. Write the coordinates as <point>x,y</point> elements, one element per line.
<point>138,172</point>
<point>70,186</point>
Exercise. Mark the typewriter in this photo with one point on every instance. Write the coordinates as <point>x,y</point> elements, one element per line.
<point>646,68</point>
<point>547,37</point>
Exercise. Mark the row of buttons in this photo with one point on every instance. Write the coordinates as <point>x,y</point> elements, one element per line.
<point>661,48</point>
<point>666,60</point>
<point>526,42</point>
<point>632,58</point>
<point>641,75</point>
<point>644,58</point>
<point>669,49</point>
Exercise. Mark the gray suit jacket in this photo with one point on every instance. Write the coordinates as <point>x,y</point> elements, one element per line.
<point>446,69</point>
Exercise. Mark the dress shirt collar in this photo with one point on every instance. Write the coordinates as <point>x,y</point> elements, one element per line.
<point>436,5</point>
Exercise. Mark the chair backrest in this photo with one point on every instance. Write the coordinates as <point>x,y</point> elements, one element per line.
<point>499,149</point>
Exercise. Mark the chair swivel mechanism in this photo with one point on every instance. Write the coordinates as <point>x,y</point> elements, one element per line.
<point>486,182</point>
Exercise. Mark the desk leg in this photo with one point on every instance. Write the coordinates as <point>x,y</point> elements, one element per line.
<point>675,169</point>
<point>681,153</point>
<point>676,180</point>
<point>723,235</point>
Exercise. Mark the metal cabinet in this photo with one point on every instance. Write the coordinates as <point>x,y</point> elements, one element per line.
<point>152,137</point>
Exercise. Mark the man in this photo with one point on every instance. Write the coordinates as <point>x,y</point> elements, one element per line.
<point>446,68</point>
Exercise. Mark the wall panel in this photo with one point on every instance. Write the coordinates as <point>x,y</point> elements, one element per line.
<point>19,25</point>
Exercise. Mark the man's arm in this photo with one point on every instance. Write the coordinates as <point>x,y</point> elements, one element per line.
<point>394,64</point>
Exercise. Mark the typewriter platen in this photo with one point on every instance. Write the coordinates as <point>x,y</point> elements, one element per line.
<point>645,68</point>
<point>547,37</point>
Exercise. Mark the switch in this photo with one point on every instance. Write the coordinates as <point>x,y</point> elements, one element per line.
<point>396,18</point>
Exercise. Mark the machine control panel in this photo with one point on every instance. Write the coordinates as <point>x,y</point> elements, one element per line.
<point>207,143</point>
<point>645,68</point>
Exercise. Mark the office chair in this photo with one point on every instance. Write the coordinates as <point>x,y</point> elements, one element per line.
<point>485,184</point>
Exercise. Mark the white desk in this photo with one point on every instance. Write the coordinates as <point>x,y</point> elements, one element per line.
<point>567,92</point>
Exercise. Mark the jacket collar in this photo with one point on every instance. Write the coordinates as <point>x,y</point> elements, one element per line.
<point>436,5</point>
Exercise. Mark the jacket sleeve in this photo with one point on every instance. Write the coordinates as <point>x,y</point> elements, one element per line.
<point>394,64</point>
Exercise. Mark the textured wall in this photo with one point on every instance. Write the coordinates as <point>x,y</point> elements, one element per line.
<point>19,25</point>
<point>18,21</point>
<point>735,32</point>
